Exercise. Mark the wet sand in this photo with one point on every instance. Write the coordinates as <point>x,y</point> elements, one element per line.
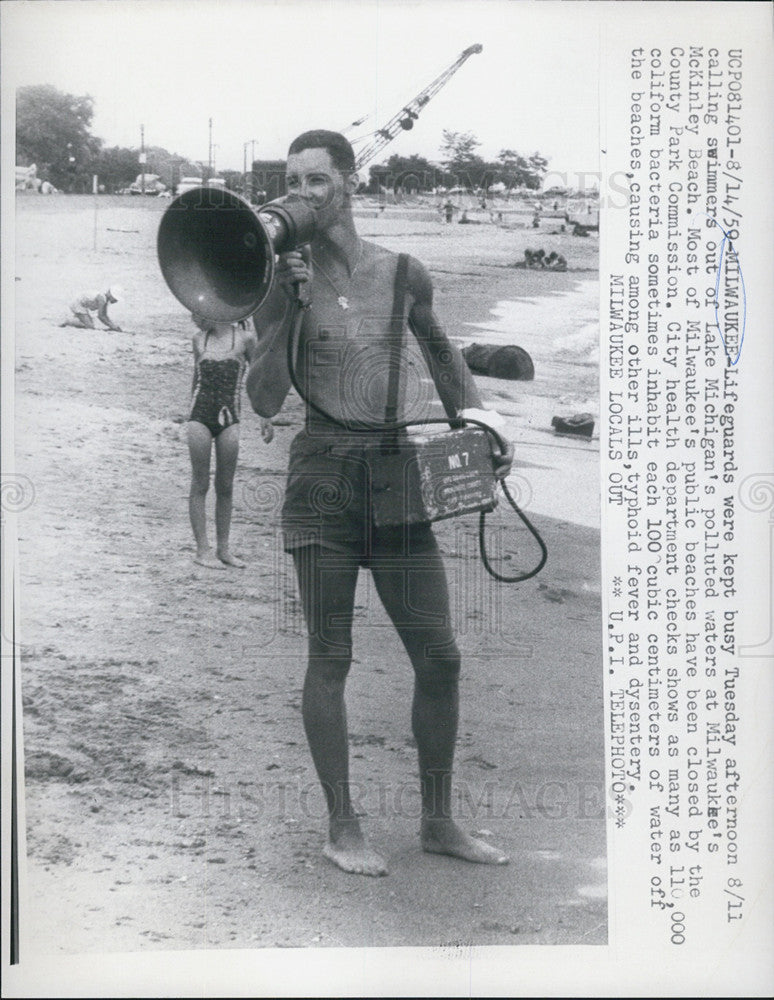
<point>170,798</point>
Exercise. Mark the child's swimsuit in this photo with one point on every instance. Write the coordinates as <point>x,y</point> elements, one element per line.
<point>216,395</point>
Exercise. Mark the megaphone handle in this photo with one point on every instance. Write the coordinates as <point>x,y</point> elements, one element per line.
<point>306,253</point>
<point>297,311</point>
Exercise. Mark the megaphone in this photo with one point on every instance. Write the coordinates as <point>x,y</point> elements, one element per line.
<point>216,251</point>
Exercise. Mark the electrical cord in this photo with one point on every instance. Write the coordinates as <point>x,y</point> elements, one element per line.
<point>453,422</point>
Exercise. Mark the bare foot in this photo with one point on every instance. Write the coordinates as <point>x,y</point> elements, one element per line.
<point>348,849</point>
<point>208,559</point>
<point>443,836</point>
<point>230,560</point>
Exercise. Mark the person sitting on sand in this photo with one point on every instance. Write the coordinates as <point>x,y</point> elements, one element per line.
<point>221,354</point>
<point>555,262</point>
<point>88,302</point>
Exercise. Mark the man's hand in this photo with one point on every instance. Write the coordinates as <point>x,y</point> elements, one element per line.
<point>293,274</point>
<point>503,460</point>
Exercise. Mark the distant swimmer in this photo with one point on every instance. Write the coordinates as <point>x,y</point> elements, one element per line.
<point>84,305</point>
<point>221,354</point>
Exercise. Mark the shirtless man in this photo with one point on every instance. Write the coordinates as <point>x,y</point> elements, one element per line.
<point>342,362</point>
<point>98,302</point>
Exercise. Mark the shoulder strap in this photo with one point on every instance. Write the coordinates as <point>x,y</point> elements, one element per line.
<point>396,345</point>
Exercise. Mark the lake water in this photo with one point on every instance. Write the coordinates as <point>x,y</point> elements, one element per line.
<point>561,326</point>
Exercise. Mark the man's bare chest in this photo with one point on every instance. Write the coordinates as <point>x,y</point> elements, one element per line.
<point>354,310</point>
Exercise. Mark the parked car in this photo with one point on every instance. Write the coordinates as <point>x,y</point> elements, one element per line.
<point>187,183</point>
<point>153,185</point>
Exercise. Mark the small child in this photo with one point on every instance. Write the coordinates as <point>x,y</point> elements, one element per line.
<point>89,302</point>
<point>221,353</point>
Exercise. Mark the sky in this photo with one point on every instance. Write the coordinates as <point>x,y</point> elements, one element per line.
<point>266,70</point>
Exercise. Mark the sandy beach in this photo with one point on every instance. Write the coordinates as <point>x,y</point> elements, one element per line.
<point>170,798</point>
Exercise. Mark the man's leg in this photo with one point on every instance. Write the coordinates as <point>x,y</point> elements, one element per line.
<point>416,597</point>
<point>326,583</point>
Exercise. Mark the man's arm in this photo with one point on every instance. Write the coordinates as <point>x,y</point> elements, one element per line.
<point>251,353</point>
<point>449,370</point>
<point>251,346</point>
<point>450,373</point>
<point>268,379</point>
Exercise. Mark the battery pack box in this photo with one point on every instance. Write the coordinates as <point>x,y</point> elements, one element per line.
<point>429,477</point>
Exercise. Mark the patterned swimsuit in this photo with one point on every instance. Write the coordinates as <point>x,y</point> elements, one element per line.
<point>217,391</point>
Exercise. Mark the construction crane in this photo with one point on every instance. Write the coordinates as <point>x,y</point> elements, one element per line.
<point>405,118</point>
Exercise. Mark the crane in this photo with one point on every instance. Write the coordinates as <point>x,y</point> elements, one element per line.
<point>405,118</point>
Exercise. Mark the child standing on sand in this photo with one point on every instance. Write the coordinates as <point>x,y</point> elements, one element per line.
<point>221,353</point>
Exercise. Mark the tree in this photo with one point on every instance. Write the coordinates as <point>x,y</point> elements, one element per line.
<point>518,171</point>
<point>403,173</point>
<point>117,167</point>
<point>458,151</point>
<point>170,167</point>
<point>538,163</point>
<point>52,131</point>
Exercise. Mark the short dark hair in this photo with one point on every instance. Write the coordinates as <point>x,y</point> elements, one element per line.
<point>339,149</point>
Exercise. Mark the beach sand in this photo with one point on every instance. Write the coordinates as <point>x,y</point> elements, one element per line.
<point>170,799</point>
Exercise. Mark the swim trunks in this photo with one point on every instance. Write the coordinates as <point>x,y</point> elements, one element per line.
<point>328,500</point>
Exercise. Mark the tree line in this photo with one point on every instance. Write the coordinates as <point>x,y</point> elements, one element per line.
<point>460,167</point>
<point>53,131</point>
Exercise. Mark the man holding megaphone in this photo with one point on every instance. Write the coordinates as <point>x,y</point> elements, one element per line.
<point>352,301</point>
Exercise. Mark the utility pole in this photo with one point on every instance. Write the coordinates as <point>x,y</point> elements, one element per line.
<point>142,158</point>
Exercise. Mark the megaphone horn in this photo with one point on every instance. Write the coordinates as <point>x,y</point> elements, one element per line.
<point>216,251</point>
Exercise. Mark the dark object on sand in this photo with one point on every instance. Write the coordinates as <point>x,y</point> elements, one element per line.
<point>579,425</point>
<point>510,362</point>
<point>539,260</point>
<point>555,262</point>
